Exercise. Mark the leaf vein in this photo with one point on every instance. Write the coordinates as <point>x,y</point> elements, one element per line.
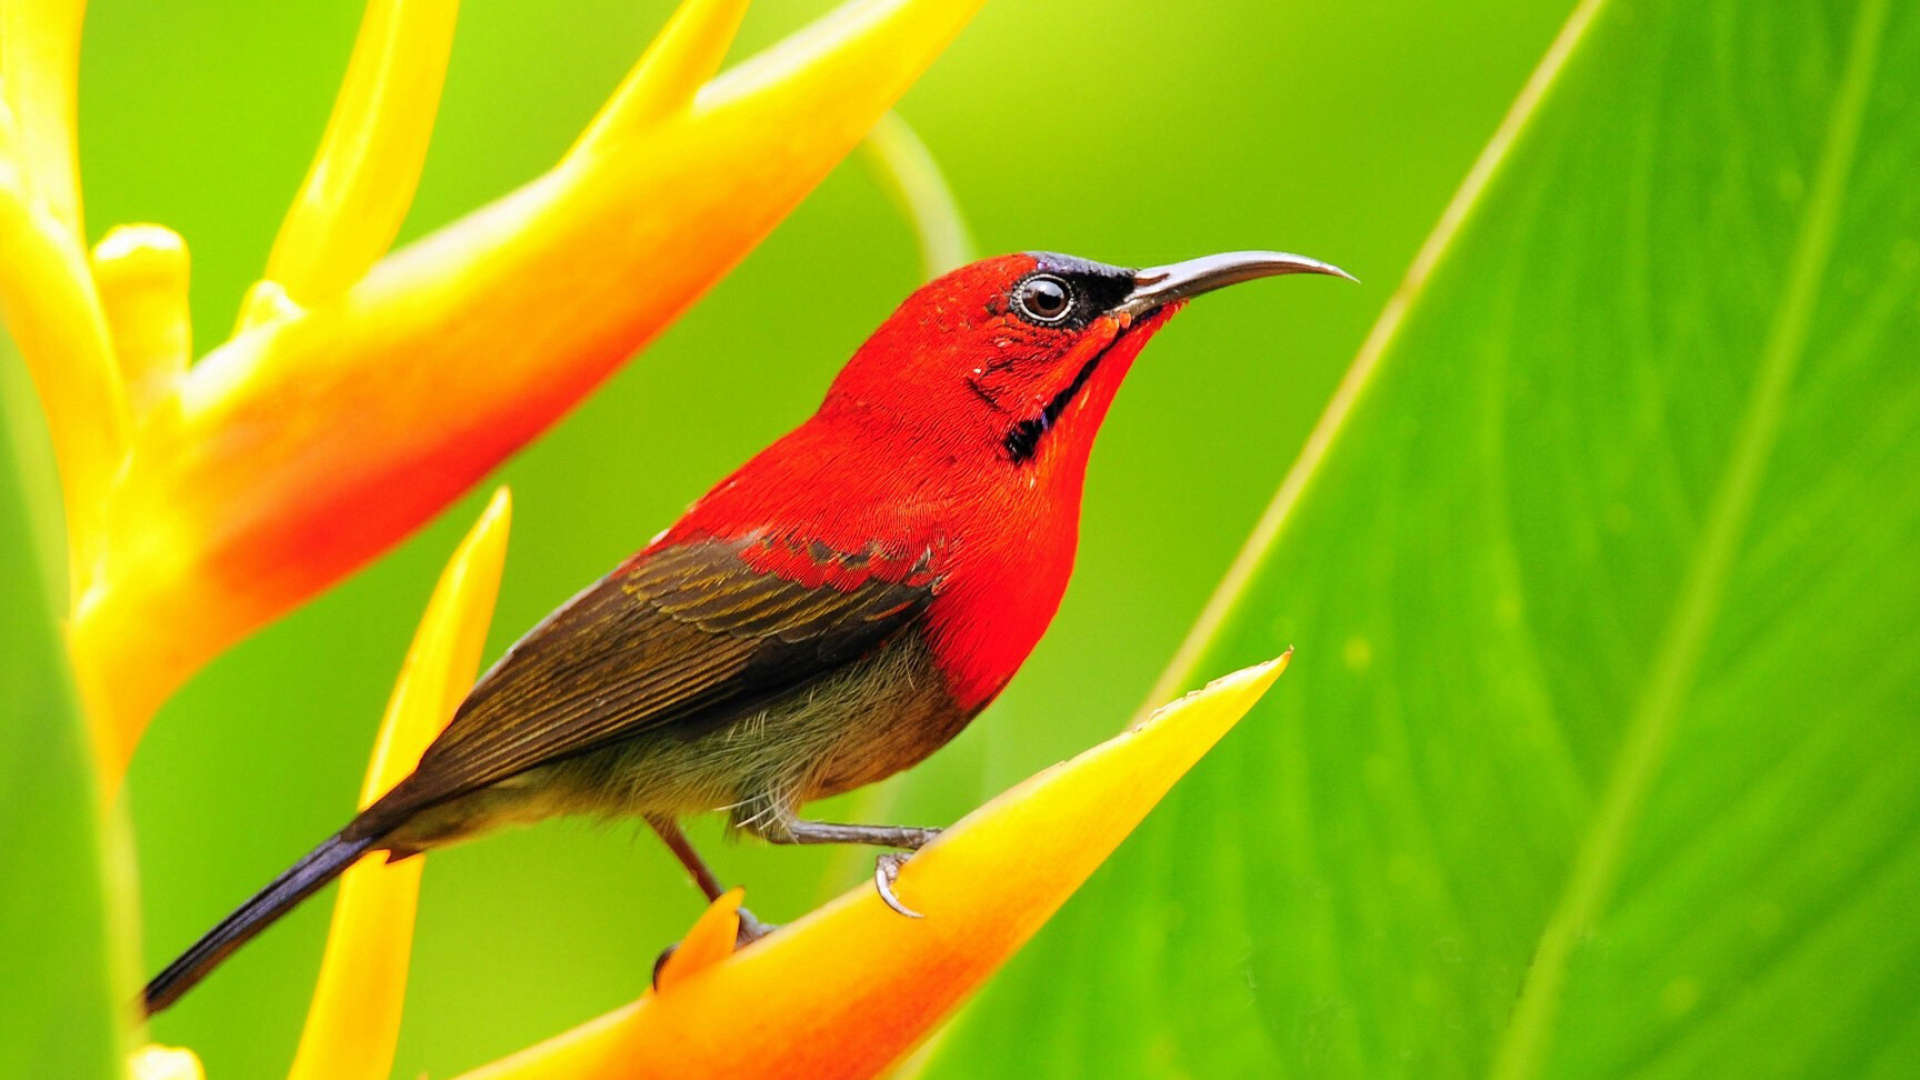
<point>1650,730</point>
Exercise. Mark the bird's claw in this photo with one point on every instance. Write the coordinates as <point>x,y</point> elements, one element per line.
<point>886,871</point>
<point>751,930</point>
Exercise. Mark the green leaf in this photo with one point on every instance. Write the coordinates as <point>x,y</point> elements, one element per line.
<point>62,1011</point>
<point>1600,755</point>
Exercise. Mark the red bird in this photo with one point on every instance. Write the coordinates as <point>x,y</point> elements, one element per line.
<point>815,623</point>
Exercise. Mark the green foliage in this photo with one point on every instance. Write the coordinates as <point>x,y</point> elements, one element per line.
<point>1598,755</point>
<point>60,1007</point>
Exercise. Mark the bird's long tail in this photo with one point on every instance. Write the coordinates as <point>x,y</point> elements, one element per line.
<point>301,880</point>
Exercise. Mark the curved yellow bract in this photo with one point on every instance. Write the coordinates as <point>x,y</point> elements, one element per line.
<point>361,394</point>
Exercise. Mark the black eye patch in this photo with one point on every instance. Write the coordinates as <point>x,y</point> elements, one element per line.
<point>1088,289</point>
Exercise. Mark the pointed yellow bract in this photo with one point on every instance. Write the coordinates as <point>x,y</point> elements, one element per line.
<point>359,401</point>
<point>354,1022</point>
<point>681,60</point>
<point>709,942</point>
<point>46,284</point>
<point>363,179</point>
<point>850,989</point>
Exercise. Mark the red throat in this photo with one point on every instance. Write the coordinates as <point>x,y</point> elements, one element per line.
<point>1026,529</point>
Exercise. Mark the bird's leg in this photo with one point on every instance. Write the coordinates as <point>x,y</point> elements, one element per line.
<point>751,928</point>
<point>782,826</point>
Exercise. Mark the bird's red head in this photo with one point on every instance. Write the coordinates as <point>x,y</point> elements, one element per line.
<point>953,447</point>
<point>1017,358</point>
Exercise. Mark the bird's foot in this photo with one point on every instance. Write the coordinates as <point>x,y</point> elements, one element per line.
<point>751,929</point>
<point>886,871</point>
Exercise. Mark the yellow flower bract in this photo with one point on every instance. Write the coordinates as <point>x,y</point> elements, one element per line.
<point>362,394</point>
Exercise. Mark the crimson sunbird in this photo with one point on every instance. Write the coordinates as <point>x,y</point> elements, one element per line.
<point>830,614</point>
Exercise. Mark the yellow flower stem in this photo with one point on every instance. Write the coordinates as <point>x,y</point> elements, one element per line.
<point>850,989</point>
<point>363,178</point>
<point>354,1022</point>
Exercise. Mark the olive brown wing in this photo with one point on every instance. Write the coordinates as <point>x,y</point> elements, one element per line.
<point>685,636</point>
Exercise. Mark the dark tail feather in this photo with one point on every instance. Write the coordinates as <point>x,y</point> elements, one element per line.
<point>320,866</point>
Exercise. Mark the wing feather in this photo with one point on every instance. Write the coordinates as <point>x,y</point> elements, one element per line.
<point>689,636</point>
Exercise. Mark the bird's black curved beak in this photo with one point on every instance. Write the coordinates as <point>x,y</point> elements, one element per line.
<point>1157,286</point>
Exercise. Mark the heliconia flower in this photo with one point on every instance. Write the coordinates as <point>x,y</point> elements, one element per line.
<point>850,989</point>
<point>360,394</point>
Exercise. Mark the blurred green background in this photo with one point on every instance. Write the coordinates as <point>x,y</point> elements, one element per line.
<point>1125,130</point>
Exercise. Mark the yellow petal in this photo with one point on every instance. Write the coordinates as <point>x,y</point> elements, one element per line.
<point>40,62</point>
<point>302,449</point>
<point>709,942</point>
<point>679,62</point>
<point>354,1022</point>
<point>852,988</point>
<point>141,273</point>
<point>45,281</point>
<point>54,314</point>
<point>155,1062</point>
<point>363,179</point>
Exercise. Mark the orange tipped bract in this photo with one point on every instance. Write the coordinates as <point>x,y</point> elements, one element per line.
<point>359,395</point>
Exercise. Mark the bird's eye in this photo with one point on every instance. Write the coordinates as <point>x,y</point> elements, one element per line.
<point>1044,299</point>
